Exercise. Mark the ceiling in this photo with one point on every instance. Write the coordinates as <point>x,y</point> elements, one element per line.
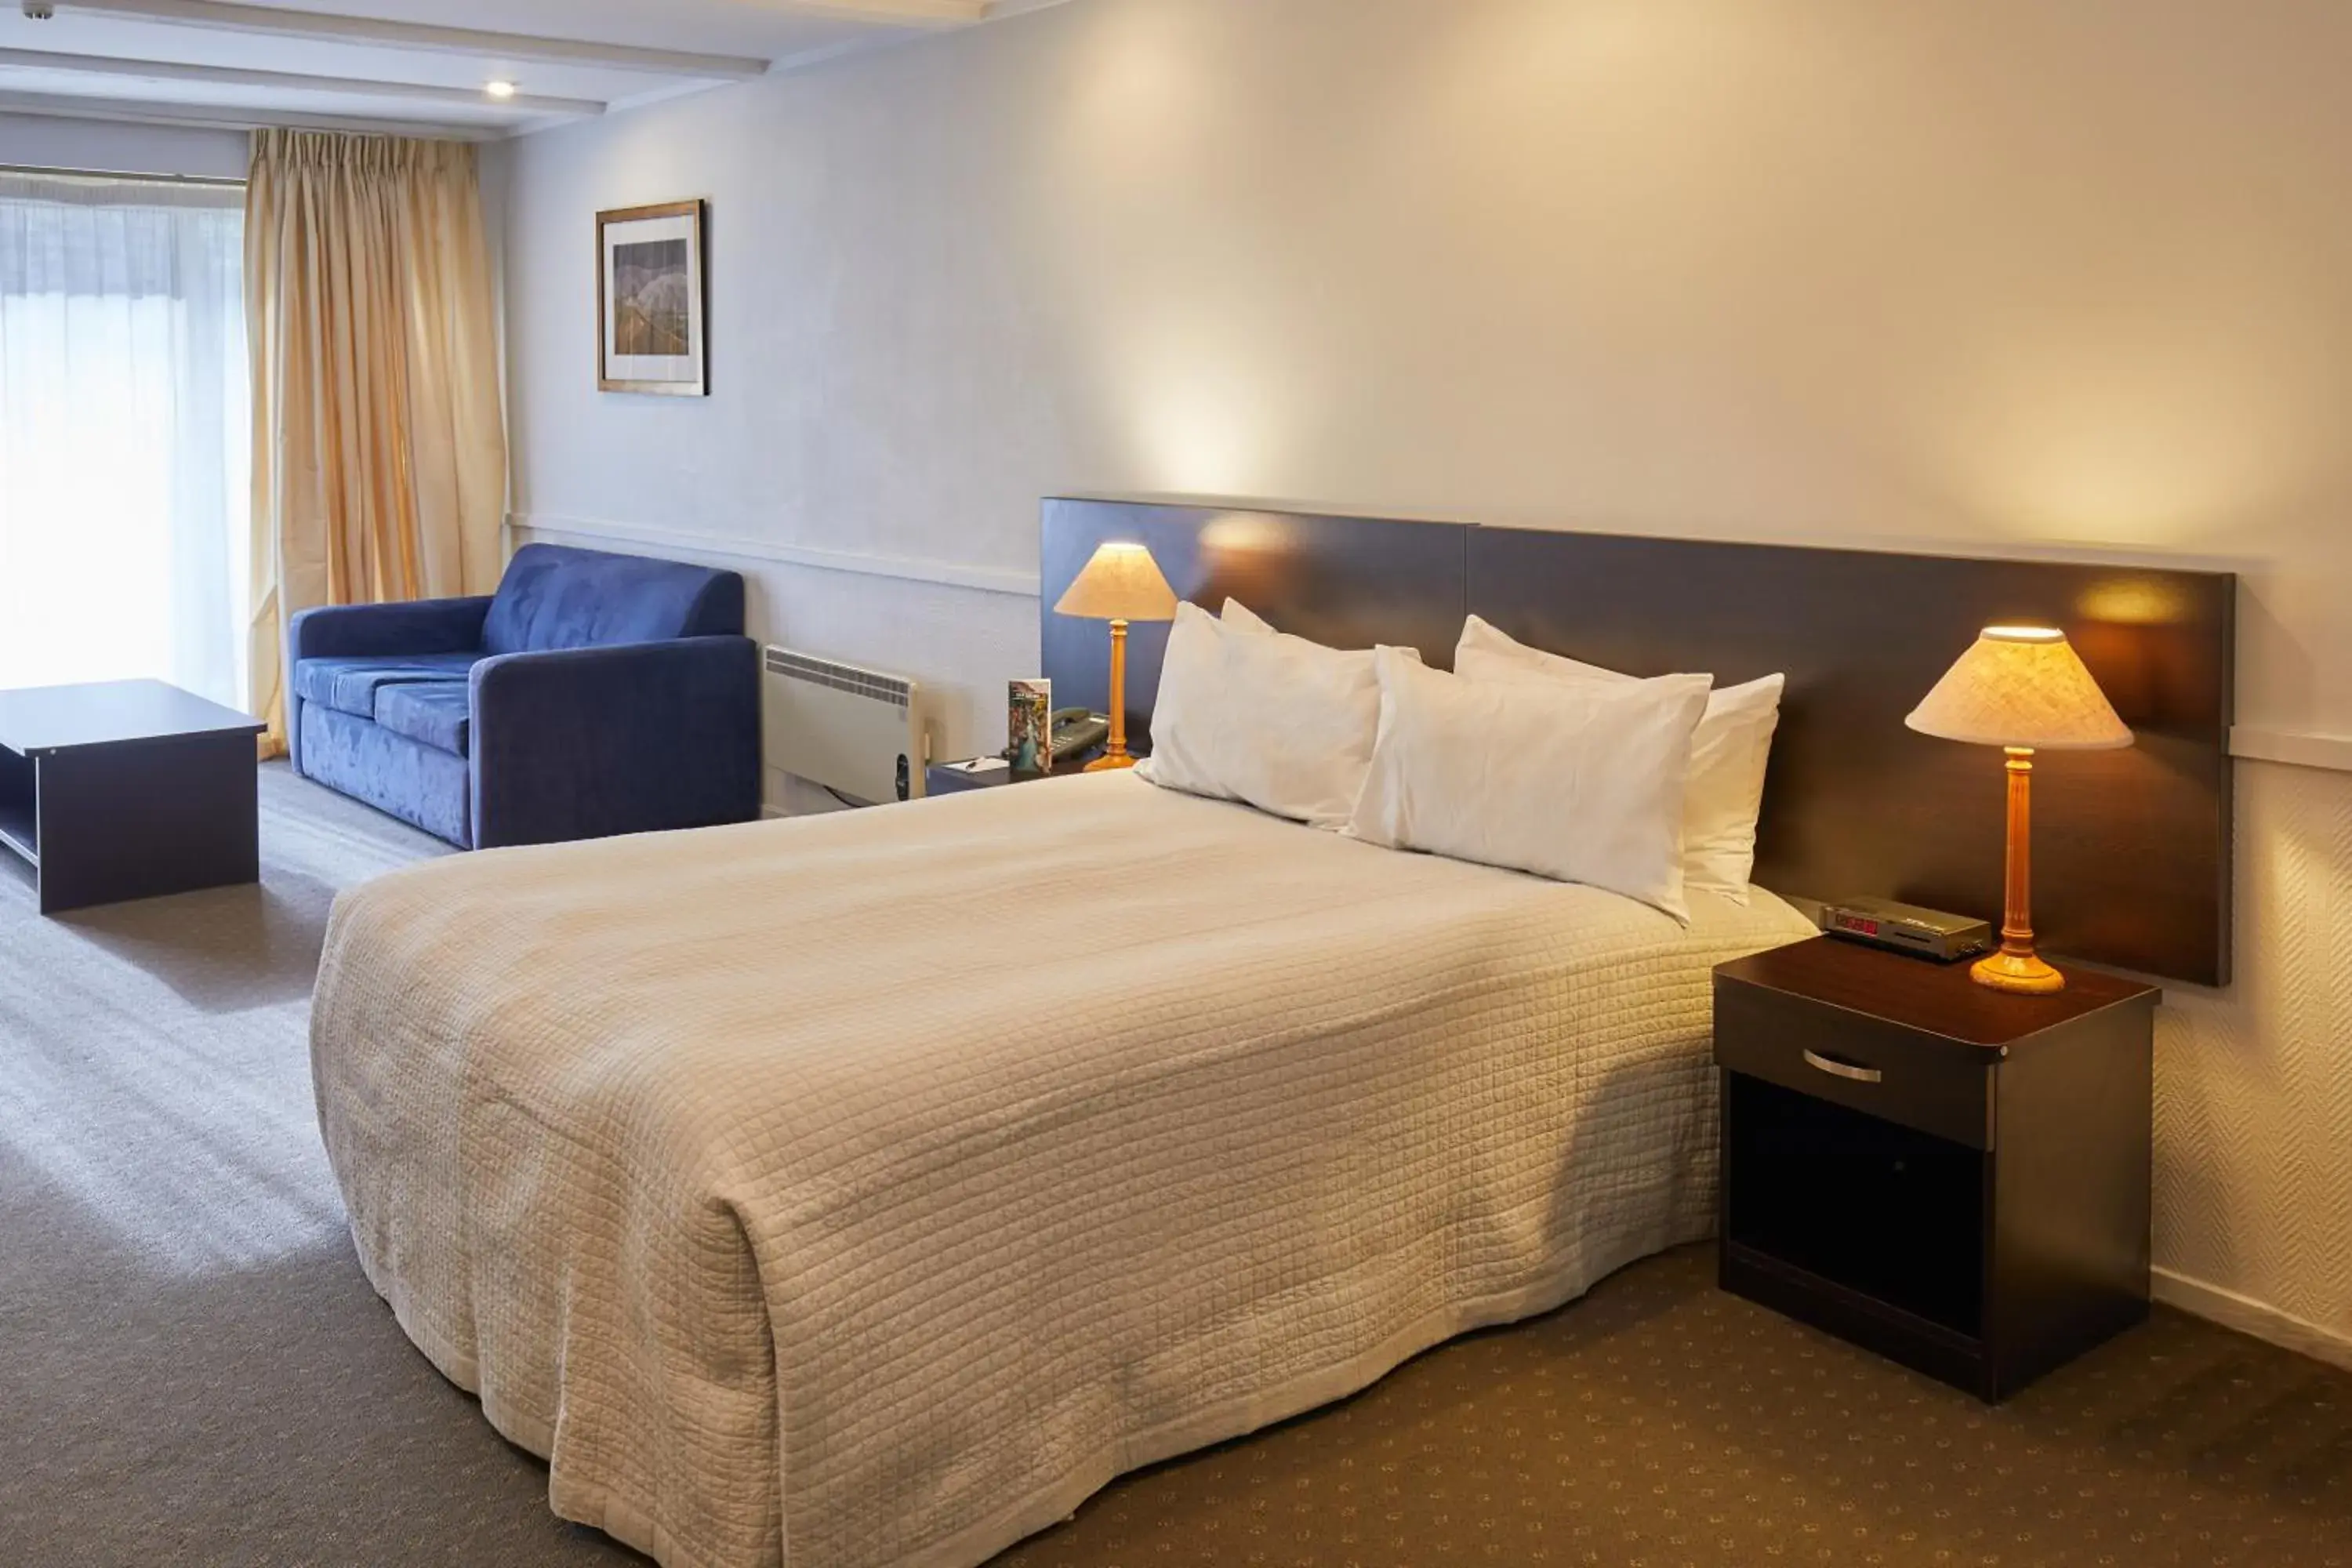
<point>425,65</point>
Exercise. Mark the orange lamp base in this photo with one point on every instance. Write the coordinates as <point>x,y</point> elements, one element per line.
<point>1115,756</point>
<point>2020,971</point>
<point>2017,967</point>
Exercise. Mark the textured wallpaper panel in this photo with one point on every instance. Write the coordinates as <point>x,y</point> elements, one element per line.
<point>2253,1085</point>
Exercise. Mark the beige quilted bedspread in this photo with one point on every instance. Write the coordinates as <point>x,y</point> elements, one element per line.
<point>870,1189</point>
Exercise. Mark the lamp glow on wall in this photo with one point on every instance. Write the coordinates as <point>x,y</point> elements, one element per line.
<point>1121,584</point>
<point>2024,689</point>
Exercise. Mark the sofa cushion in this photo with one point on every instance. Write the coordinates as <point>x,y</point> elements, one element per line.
<point>436,714</point>
<point>351,685</point>
<point>558,598</point>
<point>419,785</point>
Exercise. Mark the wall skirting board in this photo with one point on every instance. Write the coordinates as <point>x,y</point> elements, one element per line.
<point>909,569</point>
<point>2252,1318</point>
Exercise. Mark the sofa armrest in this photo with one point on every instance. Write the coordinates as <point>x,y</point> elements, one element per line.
<point>635,738</point>
<point>368,631</point>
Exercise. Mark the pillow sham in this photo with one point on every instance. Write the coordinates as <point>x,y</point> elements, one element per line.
<point>1261,717</point>
<point>1579,783</point>
<point>1238,617</point>
<point>1730,753</point>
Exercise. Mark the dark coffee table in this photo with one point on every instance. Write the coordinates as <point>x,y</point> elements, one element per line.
<point>128,789</point>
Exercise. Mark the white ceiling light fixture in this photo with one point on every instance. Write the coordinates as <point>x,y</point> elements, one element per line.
<point>285,21</point>
<point>364,68</point>
<point>50,60</point>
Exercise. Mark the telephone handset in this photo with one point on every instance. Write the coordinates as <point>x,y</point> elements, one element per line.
<point>1075,732</point>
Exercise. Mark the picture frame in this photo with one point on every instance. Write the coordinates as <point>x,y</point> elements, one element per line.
<point>652,308</point>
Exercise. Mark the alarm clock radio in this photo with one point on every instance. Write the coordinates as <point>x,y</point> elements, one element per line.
<point>1906,928</point>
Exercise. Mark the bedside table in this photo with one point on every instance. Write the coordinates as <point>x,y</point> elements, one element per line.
<point>1953,1176</point>
<point>943,778</point>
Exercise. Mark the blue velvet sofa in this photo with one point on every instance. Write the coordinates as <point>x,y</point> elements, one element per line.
<point>593,694</point>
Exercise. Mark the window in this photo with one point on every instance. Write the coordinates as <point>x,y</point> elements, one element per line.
<point>125,433</point>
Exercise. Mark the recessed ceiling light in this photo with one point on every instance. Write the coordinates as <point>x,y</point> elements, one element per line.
<point>500,89</point>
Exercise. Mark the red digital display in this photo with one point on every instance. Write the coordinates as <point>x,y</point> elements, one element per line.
<point>1857,924</point>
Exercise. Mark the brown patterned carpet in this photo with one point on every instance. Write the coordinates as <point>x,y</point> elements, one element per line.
<point>192,1370</point>
<point>1660,1424</point>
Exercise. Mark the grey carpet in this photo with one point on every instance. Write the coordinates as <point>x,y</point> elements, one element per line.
<point>192,1370</point>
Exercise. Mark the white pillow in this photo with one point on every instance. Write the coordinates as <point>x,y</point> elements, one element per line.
<point>1240,617</point>
<point>1237,617</point>
<point>1279,722</point>
<point>1728,755</point>
<point>1579,783</point>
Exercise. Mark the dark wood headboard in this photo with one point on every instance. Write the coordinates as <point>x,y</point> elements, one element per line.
<point>2131,849</point>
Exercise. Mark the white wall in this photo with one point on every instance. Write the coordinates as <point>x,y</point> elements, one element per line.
<point>113,147</point>
<point>1981,274</point>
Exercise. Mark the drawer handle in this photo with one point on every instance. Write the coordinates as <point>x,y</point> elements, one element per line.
<point>1837,1068</point>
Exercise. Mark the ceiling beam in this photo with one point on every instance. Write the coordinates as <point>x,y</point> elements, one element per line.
<point>294,81</point>
<point>917,13</point>
<point>325,27</point>
<point>211,117</point>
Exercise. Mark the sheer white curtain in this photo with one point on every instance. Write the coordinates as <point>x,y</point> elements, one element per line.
<point>125,434</point>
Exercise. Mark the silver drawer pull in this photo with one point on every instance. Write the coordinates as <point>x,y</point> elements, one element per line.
<point>1837,1068</point>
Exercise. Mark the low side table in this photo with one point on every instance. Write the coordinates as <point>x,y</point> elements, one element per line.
<point>128,789</point>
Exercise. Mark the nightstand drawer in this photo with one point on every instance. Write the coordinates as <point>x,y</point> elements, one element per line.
<point>1857,1061</point>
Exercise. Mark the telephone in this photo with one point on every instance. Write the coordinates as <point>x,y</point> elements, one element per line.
<point>1075,732</point>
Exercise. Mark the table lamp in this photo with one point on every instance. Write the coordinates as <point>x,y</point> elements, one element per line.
<point>1121,584</point>
<point>2026,690</point>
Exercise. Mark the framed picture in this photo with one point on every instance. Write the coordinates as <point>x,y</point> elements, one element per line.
<point>651,315</point>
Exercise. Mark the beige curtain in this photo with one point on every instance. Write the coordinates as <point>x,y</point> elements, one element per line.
<point>379,459</point>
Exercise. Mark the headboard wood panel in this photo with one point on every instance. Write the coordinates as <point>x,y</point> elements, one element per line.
<point>2131,849</point>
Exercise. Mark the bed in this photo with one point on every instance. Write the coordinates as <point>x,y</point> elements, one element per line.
<point>871,1189</point>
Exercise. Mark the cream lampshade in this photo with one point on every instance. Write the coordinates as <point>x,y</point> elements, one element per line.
<point>2026,690</point>
<point>1121,584</point>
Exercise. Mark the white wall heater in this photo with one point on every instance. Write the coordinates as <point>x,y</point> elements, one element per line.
<point>859,733</point>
